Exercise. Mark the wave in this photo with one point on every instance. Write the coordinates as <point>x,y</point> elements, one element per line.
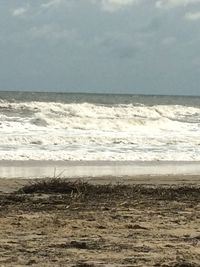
<point>58,113</point>
<point>78,131</point>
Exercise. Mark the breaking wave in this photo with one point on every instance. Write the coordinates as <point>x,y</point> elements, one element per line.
<point>88,131</point>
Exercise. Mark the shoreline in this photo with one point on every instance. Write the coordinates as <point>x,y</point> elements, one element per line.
<point>31,169</point>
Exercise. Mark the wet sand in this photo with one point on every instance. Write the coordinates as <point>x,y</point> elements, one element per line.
<point>82,169</point>
<point>154,224</point>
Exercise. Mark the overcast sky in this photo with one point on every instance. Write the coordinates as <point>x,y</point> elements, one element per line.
<point>114,46</point>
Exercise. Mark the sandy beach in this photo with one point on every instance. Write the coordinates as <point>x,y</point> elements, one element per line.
<point>128,224</point>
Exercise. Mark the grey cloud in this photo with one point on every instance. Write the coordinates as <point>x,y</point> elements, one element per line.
<point>52,32</point>
<point>18,12</point>
<point>154,24</point>
<point>51,4</point>
<point>75,45</point>
<point>128,52</point>
<point>112,6</point>
<point>192,16</point>
<point>175,3</point>
<point>170,40</point>
<point>119,45</point>
<point>115,5</point>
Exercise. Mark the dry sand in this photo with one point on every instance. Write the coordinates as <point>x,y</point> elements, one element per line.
<point>143,226</point>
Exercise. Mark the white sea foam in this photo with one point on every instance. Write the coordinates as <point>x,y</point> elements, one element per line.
<point>85,131</point>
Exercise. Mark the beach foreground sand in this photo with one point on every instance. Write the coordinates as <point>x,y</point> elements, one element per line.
<point>99,225</point>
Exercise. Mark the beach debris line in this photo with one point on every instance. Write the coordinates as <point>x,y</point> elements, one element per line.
<point>178,264</point>
<point>81,188</point>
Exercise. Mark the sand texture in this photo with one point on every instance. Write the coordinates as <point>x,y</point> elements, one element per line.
<point>101,226</point>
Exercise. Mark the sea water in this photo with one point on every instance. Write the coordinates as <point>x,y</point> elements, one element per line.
<point>76,127</point>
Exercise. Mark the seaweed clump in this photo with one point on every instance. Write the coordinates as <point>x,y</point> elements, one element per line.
<point>82,188</point>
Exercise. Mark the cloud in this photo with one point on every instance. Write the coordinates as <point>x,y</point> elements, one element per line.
<point>168,41</point>
<point>119,45</point>
<point>51,32</point>
<point>50,4</point>
<point>153,25</point>
<point>115,5</point>
<point>175,3</point>
<point>192,16</point>
<point>18,12</point>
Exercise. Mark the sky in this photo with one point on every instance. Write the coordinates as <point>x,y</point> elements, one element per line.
<point>101,46</point>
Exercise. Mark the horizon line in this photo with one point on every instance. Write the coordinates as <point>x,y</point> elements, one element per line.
<point>96,93</point>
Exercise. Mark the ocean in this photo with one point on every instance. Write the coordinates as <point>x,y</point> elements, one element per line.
<point>99,127</point>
